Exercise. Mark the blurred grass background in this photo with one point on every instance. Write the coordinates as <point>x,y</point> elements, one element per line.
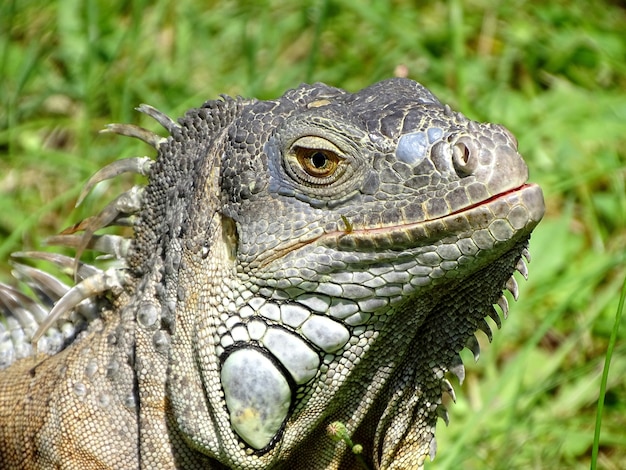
<point>553,72</point>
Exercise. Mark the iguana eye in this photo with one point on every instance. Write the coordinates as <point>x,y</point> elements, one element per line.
<point>317,163</point>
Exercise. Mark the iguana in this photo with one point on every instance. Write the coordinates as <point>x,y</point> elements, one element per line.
<point>302,275</point>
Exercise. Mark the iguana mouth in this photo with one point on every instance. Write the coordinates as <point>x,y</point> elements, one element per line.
<point>488,200</point>
<point>521,209</point>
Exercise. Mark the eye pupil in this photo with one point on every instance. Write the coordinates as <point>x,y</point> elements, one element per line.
<point>319,160</point>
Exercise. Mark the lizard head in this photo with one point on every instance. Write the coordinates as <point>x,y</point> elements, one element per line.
<point>336,252</point>
<point>380,171</point>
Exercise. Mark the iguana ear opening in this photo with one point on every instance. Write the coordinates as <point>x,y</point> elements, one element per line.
<point>230,237</point>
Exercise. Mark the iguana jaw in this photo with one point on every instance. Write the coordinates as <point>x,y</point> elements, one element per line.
<point>506,216</point>
<point>518,211</point>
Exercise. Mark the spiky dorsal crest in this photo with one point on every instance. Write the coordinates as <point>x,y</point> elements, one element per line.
<point>56,312</point>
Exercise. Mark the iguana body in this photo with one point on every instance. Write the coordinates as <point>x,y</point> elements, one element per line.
<point>316,259</point>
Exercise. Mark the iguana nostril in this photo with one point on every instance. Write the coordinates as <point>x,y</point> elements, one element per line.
<point>464,157</point>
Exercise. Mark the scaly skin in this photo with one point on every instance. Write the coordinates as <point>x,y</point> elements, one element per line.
<point>315,259</point>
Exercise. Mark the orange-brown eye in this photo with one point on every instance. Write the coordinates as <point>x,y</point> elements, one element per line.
<point>316,162</point>
<point>319,163</point>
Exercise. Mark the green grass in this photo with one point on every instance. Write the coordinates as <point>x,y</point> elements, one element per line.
<point>552,72</point>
